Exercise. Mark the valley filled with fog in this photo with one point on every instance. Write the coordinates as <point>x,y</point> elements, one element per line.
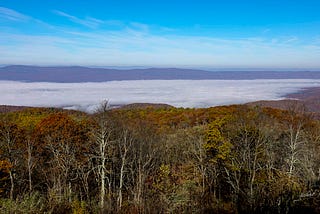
<point>179,93</point>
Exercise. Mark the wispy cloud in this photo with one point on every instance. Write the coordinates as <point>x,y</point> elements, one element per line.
<point>114,42</point>
<point>15,16</point>
<point>12,15</point>
<point>137,47</point>
<point>87,21</point>
<point>267,30</point>
<point>139,26</point>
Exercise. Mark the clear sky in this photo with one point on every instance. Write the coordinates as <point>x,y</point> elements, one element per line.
<point>169,33</point>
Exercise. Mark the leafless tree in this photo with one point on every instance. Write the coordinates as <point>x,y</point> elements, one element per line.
<point>103,150</point>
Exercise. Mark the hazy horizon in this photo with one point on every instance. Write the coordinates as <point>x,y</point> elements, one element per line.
<point>179,67</point>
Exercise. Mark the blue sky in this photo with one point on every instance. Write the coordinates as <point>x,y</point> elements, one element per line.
<point>273,34</point>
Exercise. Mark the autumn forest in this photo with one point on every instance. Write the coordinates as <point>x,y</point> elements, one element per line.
<point>160,159</point>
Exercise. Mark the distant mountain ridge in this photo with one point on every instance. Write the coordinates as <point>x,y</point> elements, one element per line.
<point>72,74</point>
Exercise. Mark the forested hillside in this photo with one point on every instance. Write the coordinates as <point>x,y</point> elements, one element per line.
<point>229,159</point>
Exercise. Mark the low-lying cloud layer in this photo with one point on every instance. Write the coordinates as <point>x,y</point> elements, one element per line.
<point>179,93</point>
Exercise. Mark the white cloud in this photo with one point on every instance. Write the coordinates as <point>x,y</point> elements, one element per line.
<point>12,15</point>
<point>87,21</point>
<point>266,30</point>
<point>179,93</point>
<point>139,26</point>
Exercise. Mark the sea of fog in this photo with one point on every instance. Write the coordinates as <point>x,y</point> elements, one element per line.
<point>179,93</point>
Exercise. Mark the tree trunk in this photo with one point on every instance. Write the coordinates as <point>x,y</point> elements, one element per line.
<point>103,175</point>
<point>12,185</point>
<point>29,165</point>
<point>121,183</point>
